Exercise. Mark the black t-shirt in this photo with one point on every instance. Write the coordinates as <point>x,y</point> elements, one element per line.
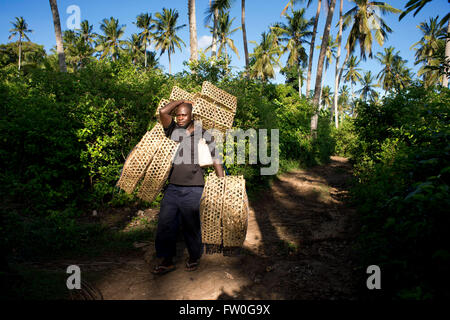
<point>185,171</point>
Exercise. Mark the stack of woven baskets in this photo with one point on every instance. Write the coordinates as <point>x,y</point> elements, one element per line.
<point>224,203</point>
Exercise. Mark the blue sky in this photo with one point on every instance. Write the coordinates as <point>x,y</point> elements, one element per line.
<point>259,15</point>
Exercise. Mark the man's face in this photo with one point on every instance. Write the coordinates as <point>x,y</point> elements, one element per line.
<point>183,114</point>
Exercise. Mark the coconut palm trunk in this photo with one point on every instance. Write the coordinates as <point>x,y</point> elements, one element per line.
<point>311,49</point>
<point>170,66</point>
<point>321,87</point>
<point>447,55</point>
<point>244,35</point>
<point>193,31</point>
<point>300,84</point>
<point>59,42</point>
<point>20,51</point>
<point>336,74</point>
<point>320,64</point>
<point>214,40</point>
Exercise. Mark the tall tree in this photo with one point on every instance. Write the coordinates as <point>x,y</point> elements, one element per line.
<point>166,38</point>
<point>223,35</point>
<point>20,28</point>
<point>336,69</point>
<point>352,74</point>
<point>364,20</point>
<point>265,57</point>
<point>367,86</point>
<point>294,34</point>
<point>213,12</point>
<point>244,36</point>
<point>417,5</point>
<point>58,35</point>
<point>311,47</point>
<point>329,55</point>
<point>192,31</point>
<point>135,49</point>
<point>144,21</point>
<point>428,47</point>
<point>387,74</point>
<point>323,49</point>
<point>110,44</point>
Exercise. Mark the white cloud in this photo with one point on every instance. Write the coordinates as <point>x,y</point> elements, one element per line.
<point>204,42</point>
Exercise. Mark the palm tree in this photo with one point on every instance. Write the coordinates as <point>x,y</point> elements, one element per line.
<point>223,35</point>
<point>336,69</point>
<point>135,48</point>
<point>323,48</point>
<point>343,101</point>
<point>166,29</point>
<point>326,97</point>
<point>428,47</point>
<point>387,60</point>
<point>264,58</point>
<point>110,43</point>
<point>213,11</point>
<point>244,35</point>
<point>352,74</point>
<point>20,28</point>
<point>329,55</point>
<point>418,5</point>
<point>294,34</point>
<point>311,47</point>
<point>192,31</point>
<point>144,22</point>
<point>58,35</point>
<point>364,19</point>
<point>367,86</point>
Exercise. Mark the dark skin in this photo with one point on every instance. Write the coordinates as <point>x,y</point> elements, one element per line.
<point>183,116</point>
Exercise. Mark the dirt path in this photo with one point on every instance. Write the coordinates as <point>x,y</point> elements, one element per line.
<point>298,246</point>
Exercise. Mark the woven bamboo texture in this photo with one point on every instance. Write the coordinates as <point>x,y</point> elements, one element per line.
<point>162,104</point>
<point>139,159</point>
<point>180,94</point>
<point>224,211</point>
<point>158,170</point>
<point>234,212</point>
<point>211,210</point>
<point>220,96</point>
<point>212,115</point>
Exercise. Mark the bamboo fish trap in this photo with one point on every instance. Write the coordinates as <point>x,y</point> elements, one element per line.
<point>158,170</point>
<point>139,158</point>
<point>223,213</point>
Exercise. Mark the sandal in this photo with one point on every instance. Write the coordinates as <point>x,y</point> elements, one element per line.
<point>191,266</point>
<point>161,269</point>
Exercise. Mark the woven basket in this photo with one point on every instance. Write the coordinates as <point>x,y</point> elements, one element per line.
<point>224,211</point>
<point>220,96</point>
<point>234,212</point>
<point>139,158</point>
<point>212,115</point>
<point>180,94</point>
<point>158,170</point>
<point>162,104</point>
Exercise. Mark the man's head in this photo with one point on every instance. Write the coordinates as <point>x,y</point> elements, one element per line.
<point>183,114</point>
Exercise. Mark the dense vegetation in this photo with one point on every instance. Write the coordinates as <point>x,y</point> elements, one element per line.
<point>65,137</point>
<point>70,118</point>
<point>400,149</point>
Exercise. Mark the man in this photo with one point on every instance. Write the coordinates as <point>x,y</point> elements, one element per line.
<point>181,201</point>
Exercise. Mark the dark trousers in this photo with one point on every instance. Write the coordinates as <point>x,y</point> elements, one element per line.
<point>180,204</point>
